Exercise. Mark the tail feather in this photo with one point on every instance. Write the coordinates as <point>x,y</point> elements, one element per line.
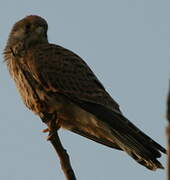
<point>140,152</point>
<point>128,137</point>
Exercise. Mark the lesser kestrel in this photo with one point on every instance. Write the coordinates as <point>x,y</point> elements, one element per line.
<point>55,82</point>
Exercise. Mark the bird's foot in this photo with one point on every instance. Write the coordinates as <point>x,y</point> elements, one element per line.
<point>53,126</point>
<point>45,130</point>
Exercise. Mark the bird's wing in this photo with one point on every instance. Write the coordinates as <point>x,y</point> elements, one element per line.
<point>96,139</point>
<point>60,70</point>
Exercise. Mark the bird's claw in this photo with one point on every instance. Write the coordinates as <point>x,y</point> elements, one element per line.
<point>53,126</point>
<point>45,130</point>
<point>51,135</point>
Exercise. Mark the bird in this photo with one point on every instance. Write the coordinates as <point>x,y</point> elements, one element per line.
<point>56,83</point>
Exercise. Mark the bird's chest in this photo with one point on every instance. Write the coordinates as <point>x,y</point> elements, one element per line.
<point>26,86</point>
<point>33,94</point>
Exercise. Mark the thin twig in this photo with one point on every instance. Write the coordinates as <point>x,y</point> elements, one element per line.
<point>62,153</point>
<point>168,137</point>
<point>168,134</point>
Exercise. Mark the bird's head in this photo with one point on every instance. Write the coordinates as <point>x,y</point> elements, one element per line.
<point>28,32</point>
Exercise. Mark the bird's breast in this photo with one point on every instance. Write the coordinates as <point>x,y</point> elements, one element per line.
<point>22,82</point>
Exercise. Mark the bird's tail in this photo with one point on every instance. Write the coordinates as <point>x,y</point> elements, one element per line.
<point>128,137</point>
<point>139,146</point>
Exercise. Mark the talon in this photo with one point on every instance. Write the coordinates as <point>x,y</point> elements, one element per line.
<point>45,130</point>
<point>50,136</point>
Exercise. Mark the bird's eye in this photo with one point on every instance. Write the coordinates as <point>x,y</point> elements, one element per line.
<point>27,27</point>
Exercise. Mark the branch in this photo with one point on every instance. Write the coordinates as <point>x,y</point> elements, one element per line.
<point>168,105</point>
<point>62,153</point>
<point>168,133</point>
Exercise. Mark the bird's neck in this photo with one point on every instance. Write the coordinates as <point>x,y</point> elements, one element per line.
<point>20,49</point>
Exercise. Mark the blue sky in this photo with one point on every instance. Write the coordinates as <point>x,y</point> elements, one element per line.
<point>126,43</point>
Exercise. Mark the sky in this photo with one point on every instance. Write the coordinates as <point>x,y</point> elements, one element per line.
<point>126,43</point>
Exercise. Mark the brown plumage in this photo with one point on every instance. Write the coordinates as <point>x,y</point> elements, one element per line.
<point>54,80</point>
